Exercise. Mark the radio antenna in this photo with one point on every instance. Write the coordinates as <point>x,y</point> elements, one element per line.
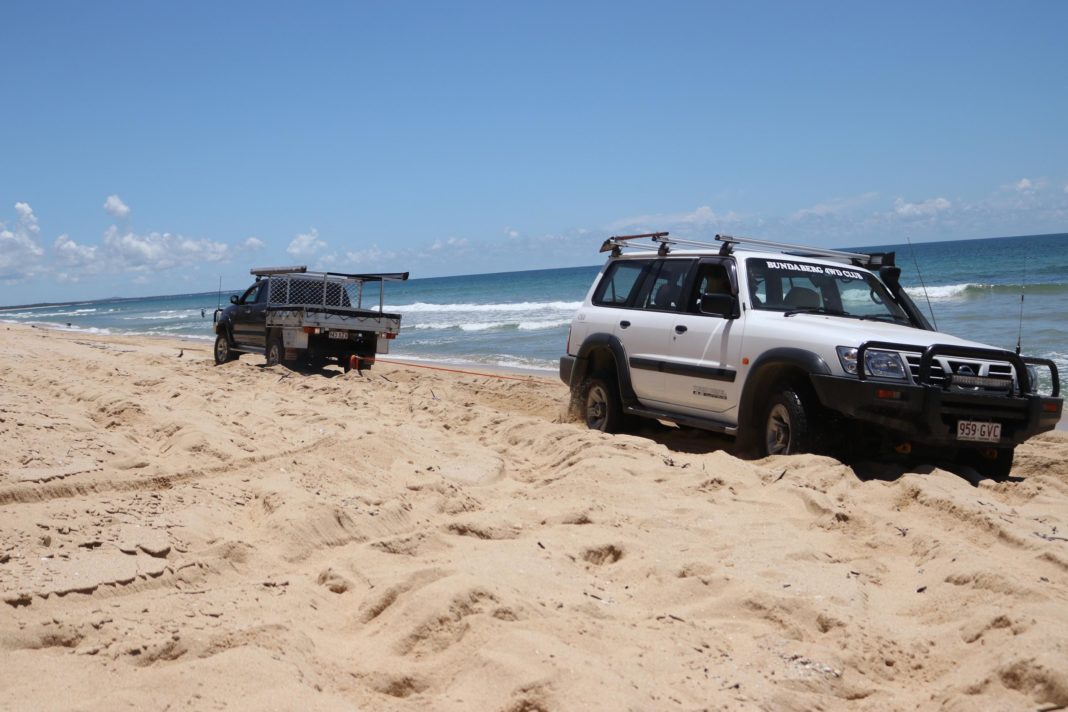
<point>1023,288</point>
<point>920,275</point>
<point>219,304</point>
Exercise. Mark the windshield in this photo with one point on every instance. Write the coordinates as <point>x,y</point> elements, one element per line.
<point>793,287</point>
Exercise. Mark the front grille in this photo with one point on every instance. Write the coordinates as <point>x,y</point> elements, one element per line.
<point>964,375</point>
<point>938,374</point>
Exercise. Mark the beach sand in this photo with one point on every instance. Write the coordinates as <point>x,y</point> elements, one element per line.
<point>176,535</point>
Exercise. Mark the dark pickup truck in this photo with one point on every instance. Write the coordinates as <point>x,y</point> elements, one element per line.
<point>290,314</point>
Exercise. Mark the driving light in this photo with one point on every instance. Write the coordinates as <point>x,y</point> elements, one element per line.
<point>883,364</point>
<point>1032,376</point>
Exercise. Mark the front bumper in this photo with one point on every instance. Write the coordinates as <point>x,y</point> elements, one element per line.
<point>929,415</point>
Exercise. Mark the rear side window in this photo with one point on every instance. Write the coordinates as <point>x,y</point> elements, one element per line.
<point>664,292</point>
<point>620,282</point>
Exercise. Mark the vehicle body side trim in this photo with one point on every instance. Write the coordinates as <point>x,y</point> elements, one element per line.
<point>684,369</point>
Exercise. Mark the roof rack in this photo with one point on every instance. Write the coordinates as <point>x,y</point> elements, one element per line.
<point>726,244</point>
<point>264,271</point>
<point>303,269</point>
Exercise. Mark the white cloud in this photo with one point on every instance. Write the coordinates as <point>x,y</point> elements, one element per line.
<point>69,252</point>
<point>20,253</point>
<point>27,220</point>
<point>834,206</point>
<point>252,243</point>
<point>116,208</point>
<point>306,244</point>
<point>132,252</point>
<point>452,242</point>
<point>373,255</point>
<point>1024,184</point>
<point>927,208</point>
<point>702,217</point>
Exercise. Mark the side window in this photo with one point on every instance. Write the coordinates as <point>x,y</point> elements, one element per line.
<point>665,291</point>
<point>261,295</point>
<point>619,282</point>
<point>712,278</point>
<point>250,294</point>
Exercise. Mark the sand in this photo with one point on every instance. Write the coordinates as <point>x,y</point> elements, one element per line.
<point>176,535</point>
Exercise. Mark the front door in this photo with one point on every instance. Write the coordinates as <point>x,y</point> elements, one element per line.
<point>250,317</point>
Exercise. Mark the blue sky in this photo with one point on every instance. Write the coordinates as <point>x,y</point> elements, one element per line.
<point>150,148</point>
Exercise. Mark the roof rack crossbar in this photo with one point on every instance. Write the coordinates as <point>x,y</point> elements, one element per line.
<point>785,247</point>
<point>615,243</point>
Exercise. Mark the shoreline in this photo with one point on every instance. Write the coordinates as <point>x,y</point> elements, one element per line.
<point>471,368</point>
<point>183,340</point>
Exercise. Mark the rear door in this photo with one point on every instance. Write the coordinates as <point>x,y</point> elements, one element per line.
<point>702,358</point>
<point>646,333</point>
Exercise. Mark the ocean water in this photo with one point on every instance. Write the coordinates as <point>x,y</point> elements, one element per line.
<point>520,319</point>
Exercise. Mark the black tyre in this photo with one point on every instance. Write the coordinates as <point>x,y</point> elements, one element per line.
<point>276,350</point>
<point>994,463</point>
<point>600,404</point>
<point>223,352</point>
<point>345,362</point>
<point>788,426</point>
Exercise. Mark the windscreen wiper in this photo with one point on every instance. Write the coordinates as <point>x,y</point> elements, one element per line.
<point>883,317</point>
<point>815,310</point>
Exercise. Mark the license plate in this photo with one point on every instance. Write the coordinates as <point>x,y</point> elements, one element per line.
<point>978,431</point>
<point>339,335</point>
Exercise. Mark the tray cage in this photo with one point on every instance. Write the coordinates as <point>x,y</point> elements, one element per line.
<point>301,290</point>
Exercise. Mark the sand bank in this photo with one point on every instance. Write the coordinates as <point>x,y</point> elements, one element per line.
<point>184,536</point>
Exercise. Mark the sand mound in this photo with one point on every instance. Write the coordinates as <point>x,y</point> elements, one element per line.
<point>175,533</point>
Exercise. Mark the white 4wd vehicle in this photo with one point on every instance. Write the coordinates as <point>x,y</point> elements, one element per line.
<point>794,349</point>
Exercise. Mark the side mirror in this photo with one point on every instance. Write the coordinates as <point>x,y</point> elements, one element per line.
<point>233,299</point>
<point>717,304</point>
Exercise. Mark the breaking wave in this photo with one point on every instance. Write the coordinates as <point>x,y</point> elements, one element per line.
<point>973,290</point>
<point>426,307</point>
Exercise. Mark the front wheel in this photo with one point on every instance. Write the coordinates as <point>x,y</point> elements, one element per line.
<point>223,352</point>
<point>994,463</point>
<point>788,429</point>
<point>601,408</point>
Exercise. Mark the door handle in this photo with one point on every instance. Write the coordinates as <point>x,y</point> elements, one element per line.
<point>624,324</point>
<point>680,329</point>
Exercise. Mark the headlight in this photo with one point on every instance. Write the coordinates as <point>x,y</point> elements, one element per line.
<point>884,364</point>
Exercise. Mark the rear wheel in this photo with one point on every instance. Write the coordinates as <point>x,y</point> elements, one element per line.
<point>223,352</point>
<point>788,428</point>
<point>276,350</point>
<point>601,408</point>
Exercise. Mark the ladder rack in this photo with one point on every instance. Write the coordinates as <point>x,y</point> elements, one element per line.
<point>725,244</point>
